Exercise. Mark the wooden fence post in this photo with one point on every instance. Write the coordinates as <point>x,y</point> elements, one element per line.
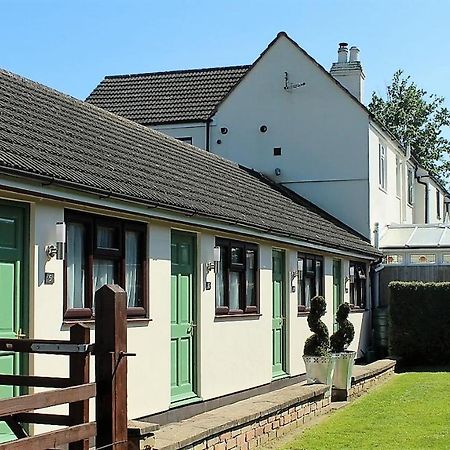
<point>79,374</point>
<point>111,367</point>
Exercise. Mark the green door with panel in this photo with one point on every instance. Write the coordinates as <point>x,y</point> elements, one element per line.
<point>12,220</point>
<point>278,314</point>
<point>337,289</point>
<point>183,317</point>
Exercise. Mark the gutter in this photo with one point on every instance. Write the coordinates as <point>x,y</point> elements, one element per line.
<point>201,219</point>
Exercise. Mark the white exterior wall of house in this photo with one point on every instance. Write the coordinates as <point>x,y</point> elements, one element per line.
<point>387,205</point>
<point>319,128</point>
<point>419,205</point>
<point>224,343</point>
<point>196,131</point>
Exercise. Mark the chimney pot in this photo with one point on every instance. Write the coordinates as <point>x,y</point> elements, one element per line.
<point>342,52</point>
<point>354,54</point>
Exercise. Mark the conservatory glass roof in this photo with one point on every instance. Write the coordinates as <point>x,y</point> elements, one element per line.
<point>416,236</point>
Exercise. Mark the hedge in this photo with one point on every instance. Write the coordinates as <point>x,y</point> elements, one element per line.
<point>419,328</point>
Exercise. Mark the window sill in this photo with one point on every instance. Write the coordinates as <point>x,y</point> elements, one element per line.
<point>303,313</point>
<point>237,316</point>
<point>71,321</point>
<point>357,310</point>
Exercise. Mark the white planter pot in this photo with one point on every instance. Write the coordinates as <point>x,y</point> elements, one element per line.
<point>342,377</point>
<point>319,369</point>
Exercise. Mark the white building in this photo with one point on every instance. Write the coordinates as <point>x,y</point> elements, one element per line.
<point>289,118</point>
<point>146,211</point>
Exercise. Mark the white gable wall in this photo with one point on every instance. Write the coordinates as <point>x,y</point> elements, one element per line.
<point>322,133</point>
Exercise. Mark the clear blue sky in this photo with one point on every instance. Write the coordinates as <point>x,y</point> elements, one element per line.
<point>71,45</point>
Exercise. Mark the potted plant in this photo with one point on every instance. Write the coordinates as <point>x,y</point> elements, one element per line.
<point>319,362</point>
<point>339,342</point>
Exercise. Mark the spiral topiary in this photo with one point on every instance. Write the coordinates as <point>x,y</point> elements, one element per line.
<point>345,333</point>
<point>318,344</point>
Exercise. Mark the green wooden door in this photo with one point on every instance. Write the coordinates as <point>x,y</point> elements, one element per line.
<point>337,289</point>
<point>183,320</point>
<point>278,314</point>
<point>11,294</point>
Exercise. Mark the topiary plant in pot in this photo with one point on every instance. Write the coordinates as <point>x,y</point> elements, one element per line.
<point>318,360</point>
<point>340,341</point>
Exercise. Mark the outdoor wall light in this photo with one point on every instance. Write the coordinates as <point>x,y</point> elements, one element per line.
<point>297,273</point>
<point>350,278</point>
<point>57,250</point>
<point>215,264</point>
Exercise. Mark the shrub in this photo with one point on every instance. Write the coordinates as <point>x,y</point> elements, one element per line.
<point>318,344</point>
<point>341,339</point>
<point>419,328</point>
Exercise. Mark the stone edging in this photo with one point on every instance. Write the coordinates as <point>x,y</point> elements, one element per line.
<point>249,423</point>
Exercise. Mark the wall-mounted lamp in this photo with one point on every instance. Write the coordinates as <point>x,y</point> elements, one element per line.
<point>350,278</point>
<point>215,264</point>
<point>297,273</point>
<point>57,250</point>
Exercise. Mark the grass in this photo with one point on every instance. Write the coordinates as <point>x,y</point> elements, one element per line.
<point>411,411</point>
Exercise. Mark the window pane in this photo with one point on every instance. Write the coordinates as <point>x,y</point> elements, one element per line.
<point>76,270</point>
<point>220,285</point>
<point>237,255</point>
<point>234,288</point>
<point>133,269</point>
<point>318,278</point>
<point>250,294</point>
<point>423,259</point>
<point>309,265</point>
<point>393,259</point>
<point>106,237</point>
<point>105,272</point>
<point>309,287</point>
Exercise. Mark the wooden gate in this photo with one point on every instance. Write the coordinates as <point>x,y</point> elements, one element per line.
<point>109,389</point>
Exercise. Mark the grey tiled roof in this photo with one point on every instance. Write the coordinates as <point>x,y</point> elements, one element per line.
<point>166,97</point>
<point>49,136</point>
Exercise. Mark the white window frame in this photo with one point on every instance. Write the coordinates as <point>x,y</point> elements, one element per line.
<point>382,166</point>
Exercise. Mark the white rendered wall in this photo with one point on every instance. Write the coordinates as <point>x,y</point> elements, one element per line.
<point>233,353</point>
<point>321,130</point>
<point>197,131</point>
<point>386,206</point>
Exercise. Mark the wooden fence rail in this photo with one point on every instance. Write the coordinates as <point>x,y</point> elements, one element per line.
<point>109,389</point>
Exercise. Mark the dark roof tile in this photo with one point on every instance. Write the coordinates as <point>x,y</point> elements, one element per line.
<point>166,97</point>
<point>48,135</point>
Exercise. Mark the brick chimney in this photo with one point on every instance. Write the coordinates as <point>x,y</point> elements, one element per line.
<point>349,71</point>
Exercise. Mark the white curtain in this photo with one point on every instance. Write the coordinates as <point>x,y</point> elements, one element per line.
<point>75,265</point>
<point>104,270</point>
<point>220,294</point>
<point>234,286</point>
<point>250,279</point>
<point>104,273</point>
<point>132,267</point>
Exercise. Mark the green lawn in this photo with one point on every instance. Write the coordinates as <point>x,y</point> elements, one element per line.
<point>411,411</point>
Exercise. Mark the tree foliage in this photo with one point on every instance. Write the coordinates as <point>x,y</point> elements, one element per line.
<point>413,116</point>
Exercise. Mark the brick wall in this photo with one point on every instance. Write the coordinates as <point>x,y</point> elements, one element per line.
<point>362,386</point>
<point>265,429</point>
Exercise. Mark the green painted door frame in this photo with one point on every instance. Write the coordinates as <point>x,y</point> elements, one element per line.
<point>183,317</point>
<point>337,289</point>
<point>13,293</point>
<point>279,309</point>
